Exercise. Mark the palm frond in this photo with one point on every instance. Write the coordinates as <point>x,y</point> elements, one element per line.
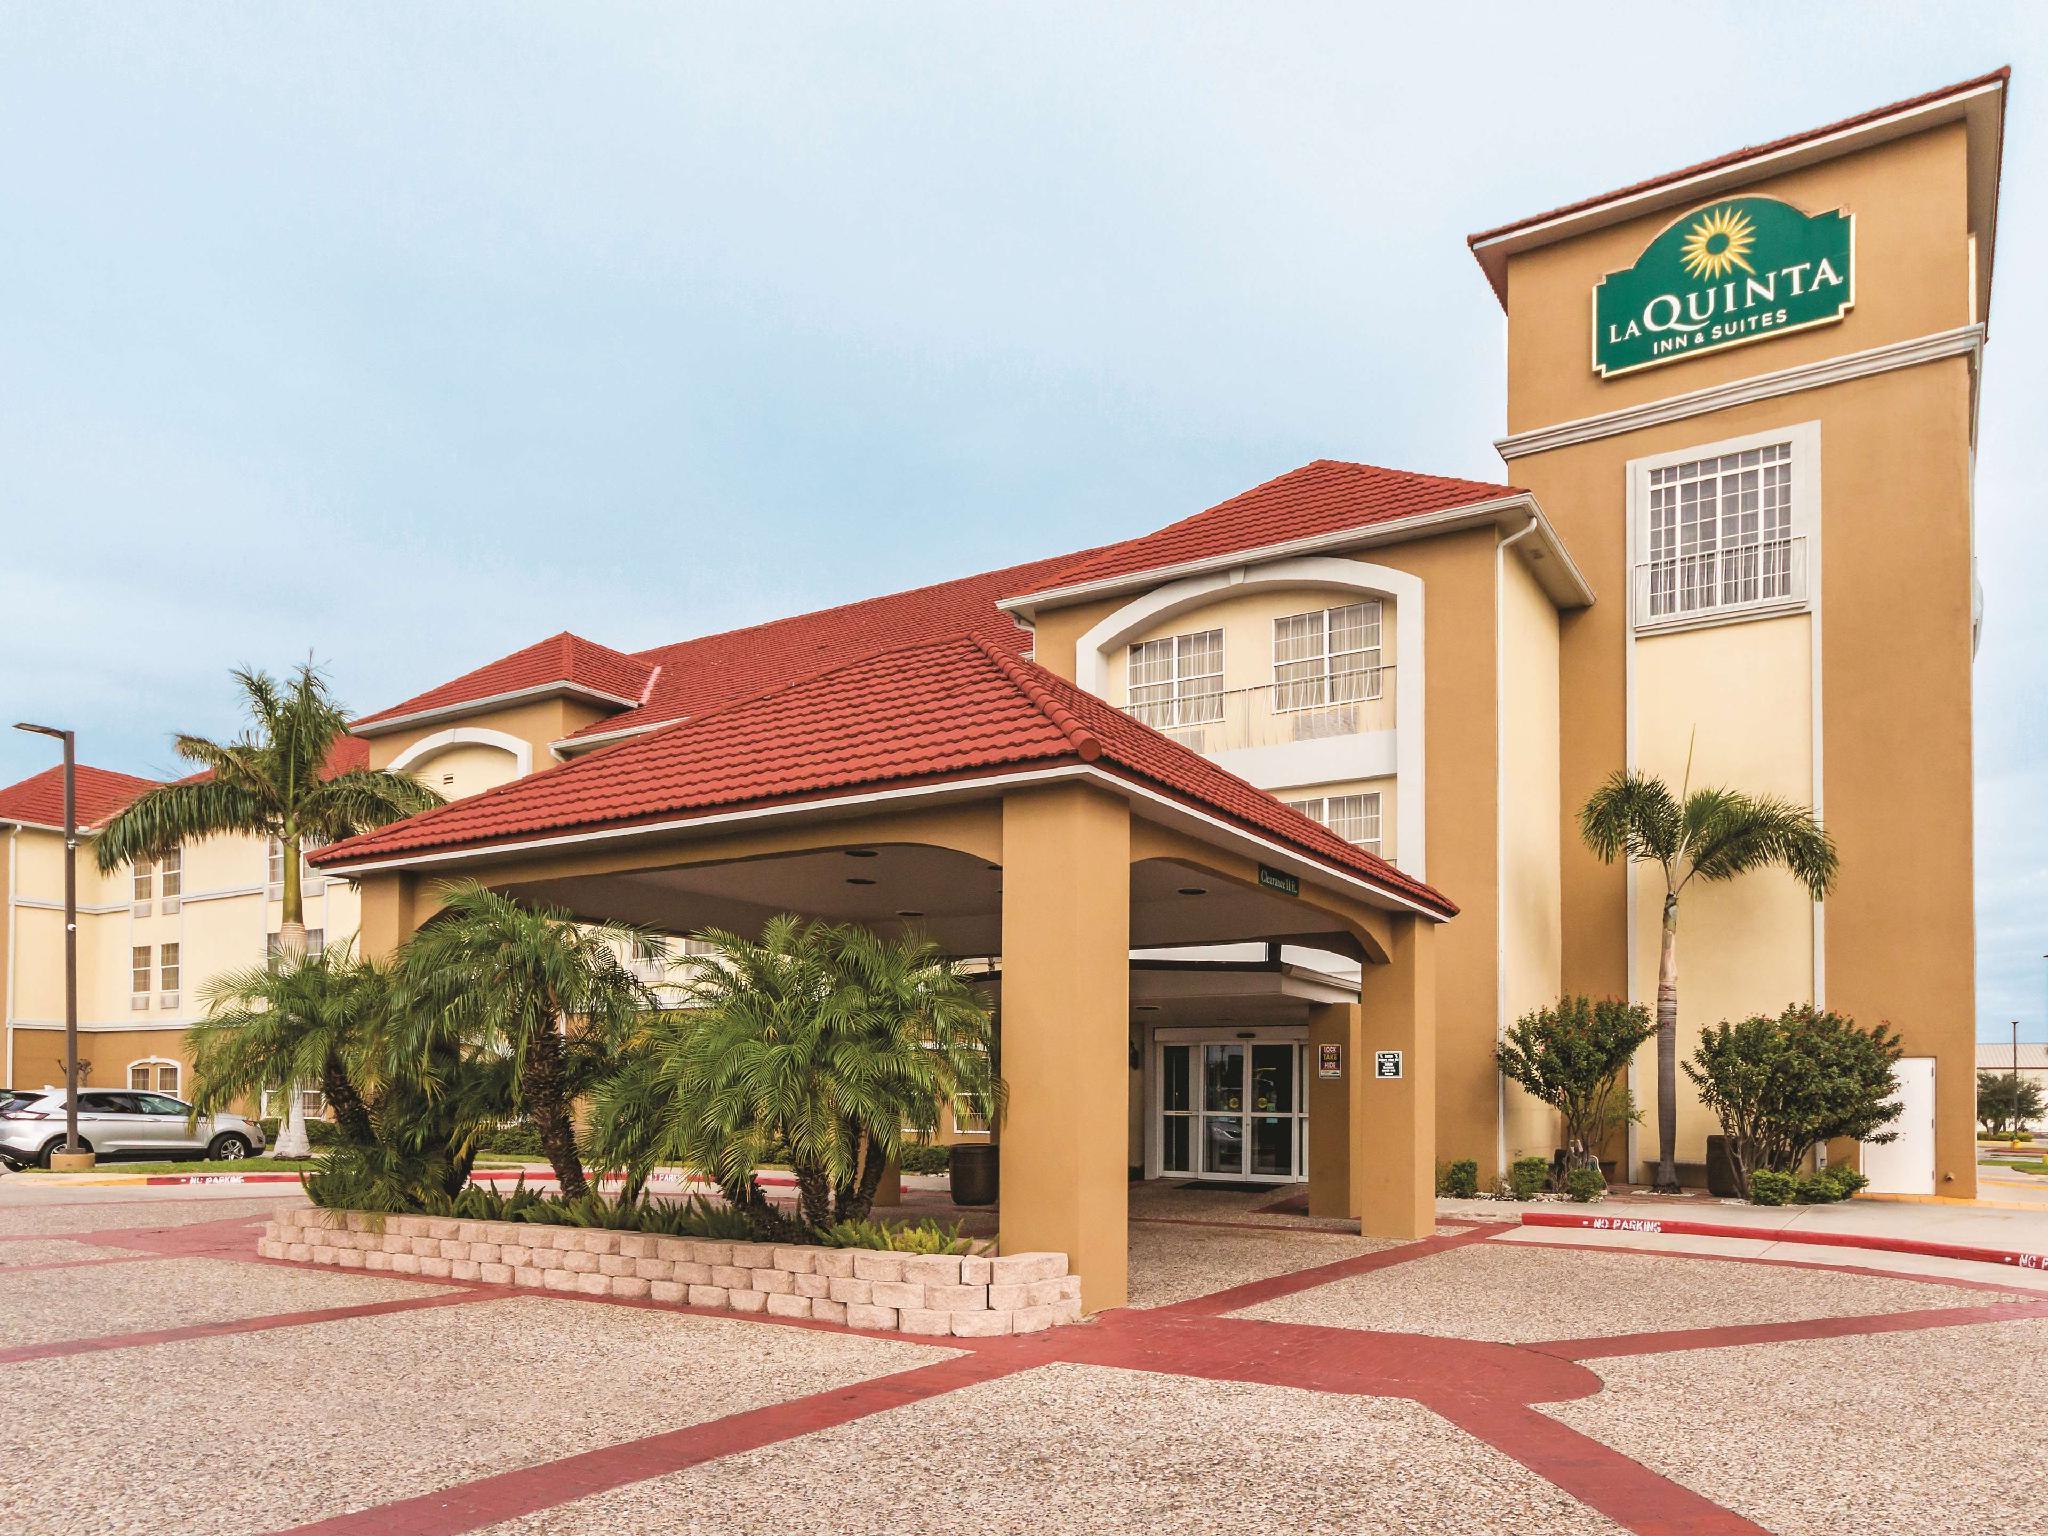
<point>1633,816</point>
<point>1728,833</point>
<point>159,819</point>
<point>358,801</point>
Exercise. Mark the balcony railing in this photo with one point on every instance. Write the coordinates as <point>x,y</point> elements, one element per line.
<point>1685,587</point>
<point>1275,714</point>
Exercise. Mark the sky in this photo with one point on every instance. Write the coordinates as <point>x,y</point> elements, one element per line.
<point>403,336</point>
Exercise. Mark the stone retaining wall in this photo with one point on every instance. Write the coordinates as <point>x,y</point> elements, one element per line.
<point>969,1298</point>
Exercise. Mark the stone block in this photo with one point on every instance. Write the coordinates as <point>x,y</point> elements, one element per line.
<point>1068,1311</point>
<point>833,1263</point>
<point>1031,1319</point>
<point>529,1275</point>
<point>632,1287</point>
<point>882,1319</point>
<point>591,1283</point>
<point>932,1269</point>
<point>674,1249</point>
<point>704,1251</point>
<point>813,1286</point>
<point>707,1295</point>
<point>424,1247</point>
<point>376,1258</point>
<point>1023,1268</point>
<point>405,1263</point>
<point>465,1269</point>
<point>1035,1293</point>
<point>747,1301</point>
<point>666,1291</point>
<point>601,1242</point>
<point>974,1271</point>
<point>581,1262</point>
<point>323,1254</point>
<point>443,1228</point>
<point>454,1248</point>
<point>615,1264</point>
<point>858,1293</point>
<point>351,1258</point>
<point>518,1255</point>
<point>636,1245</point>
<point>495,1274</point>
<point>797,1261</point>
<point>487,1253</point>
<point>980,1325</point>
<point>438,1269</point>
<point>787,1305</point>
<point>827,1311</point>
<point>896,1293</point>
<point>918,1320</point>
<point>559,1279</point>
<point>688,1272</point>
<point>650,1269</point>
<point>732,1277</point>
<point>878,1266</point>
<point>775,1282</point>
<point>956,1298</point>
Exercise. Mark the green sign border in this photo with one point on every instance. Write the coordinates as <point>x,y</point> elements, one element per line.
<point>1593,294</point>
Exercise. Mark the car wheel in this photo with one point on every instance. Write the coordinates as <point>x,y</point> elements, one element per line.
<point>55,1145</point>
<point>227,1148</point>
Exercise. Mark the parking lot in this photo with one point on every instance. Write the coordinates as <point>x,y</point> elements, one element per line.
<point>1271,1373</point>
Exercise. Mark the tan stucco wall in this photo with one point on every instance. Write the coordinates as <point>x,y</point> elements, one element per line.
<point>539,723</point>
<point>1530,933</point>
<point>466,768</point>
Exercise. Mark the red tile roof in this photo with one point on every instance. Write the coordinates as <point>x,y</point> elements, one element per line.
<point>346,755</point>
<point>1325,497</point>
<point>566,662</point>
<point>941,710</point>
<point>693,676</point>
<point>100,792</point>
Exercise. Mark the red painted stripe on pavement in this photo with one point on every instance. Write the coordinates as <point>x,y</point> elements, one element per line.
<point>29,1269</point>
<point>261,1324</point>
<point>2013,1257</point>
<point>509,1495</point>
<point>1258,1291</point>
<point>1625,1491</point>
<point>1957,1282</point>
<point>1727,1337</point>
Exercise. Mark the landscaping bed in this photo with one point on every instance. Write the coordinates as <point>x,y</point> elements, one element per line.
<point>956,1295</point>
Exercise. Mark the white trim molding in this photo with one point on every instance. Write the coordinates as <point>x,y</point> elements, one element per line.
<point>1963,341</point>
<point>561,688</point>
<point>1092,651</point>
<point>465,735</point>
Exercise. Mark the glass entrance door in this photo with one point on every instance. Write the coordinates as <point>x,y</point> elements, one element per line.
<point>1233,1109</point>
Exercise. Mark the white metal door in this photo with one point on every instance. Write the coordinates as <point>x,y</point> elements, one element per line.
<point>1905,1166</point>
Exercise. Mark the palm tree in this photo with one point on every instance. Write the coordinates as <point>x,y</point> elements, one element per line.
<point>277,781</point>
<point>529,990</point>
<point>1710,835</point>
<point>270,1028</point>
<point>820,1043</point>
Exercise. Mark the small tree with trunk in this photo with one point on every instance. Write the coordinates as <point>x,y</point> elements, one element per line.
<point>1572,1057</point>
<point>1709,835</point>
<point>1781,1085</point>
<point>277,781</point>
<point>2007,1103</point>
<point>530,991</point>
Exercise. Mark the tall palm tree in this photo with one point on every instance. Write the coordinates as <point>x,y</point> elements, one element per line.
<point>821,1043</point>
<point>1710,835</point>
<point>527,989</point>
<point>276,781</point>
<point>270,1028</point>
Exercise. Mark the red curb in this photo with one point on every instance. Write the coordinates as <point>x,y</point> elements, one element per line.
<point>235,1325</point>
<point>2012,1257</point>
<point>1866,1271</point>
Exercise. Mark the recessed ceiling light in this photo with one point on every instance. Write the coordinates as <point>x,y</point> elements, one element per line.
<point>858,880</point>
<point>1194,890</point>
<point>859,853</point>
<point>906,912</point>
<point>1148,1007</point>
<point>995,867</point>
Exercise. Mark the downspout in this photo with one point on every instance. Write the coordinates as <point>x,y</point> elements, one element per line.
<point>1500,837</point>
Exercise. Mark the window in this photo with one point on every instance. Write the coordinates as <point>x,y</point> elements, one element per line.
<point>970,1114</point>
<point>1178,681</point>
<point>167,974</point>
<point>145,885</point>
<point>155,1073</point>
<point>312,1103</point>
<point>138,976</point>
<point>1330,656</point>
<point>310,884</point>
<point>316,944</point>
<point>1720,535</point>
<point>171,873</point>
<point>1355,818</point>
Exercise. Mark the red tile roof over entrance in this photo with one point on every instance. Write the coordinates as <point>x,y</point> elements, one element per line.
<point>39,799</point>
<point>943,710</point>
<point>1325,497</point>
<point>564,661</point>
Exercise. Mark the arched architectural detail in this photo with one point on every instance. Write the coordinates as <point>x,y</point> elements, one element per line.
<point>1093,649</point>
<point>466,735</point>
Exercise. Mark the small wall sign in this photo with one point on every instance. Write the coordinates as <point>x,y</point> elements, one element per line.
<point>1279,880</point>
<point>1739,270</point>
<point>1386,1063</point>
<point>1330,1060</point>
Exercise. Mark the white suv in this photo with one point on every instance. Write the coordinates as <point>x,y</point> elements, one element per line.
<point>120,1122</point>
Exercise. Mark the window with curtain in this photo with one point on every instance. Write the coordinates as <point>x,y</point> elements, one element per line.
<point>1327,656</point>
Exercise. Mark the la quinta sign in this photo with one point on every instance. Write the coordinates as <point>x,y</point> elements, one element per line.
<point>1744,269</point>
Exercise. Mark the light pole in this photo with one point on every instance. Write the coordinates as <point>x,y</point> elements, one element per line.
<point>73,1157</point>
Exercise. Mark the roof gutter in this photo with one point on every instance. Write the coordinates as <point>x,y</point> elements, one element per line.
<point>1570,588</point>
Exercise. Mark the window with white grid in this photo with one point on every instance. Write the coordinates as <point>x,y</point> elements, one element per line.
<point>316,942</point>
<point>1328,656</point>
<point>168,970</point>
<point>139,971</point>
<point>145,881</point>
<point>1720,534</point>
<point>171,874</point>
<point>1355,818</point>
<point>1178,680</point>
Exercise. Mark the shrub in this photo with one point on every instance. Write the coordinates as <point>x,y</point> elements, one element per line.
<point>1780,1085</point>
<point>1585,1184</point>
<point>925,1236</point>
<point>319,1133</point>
<point>1571,1057</point>
<point>521,1138</point>
<point>1528,1177</point>
<point>924,1157</point>
<point>1767,1187</point>
<point>1837,1181</point>
<point>1459,1180</point>
<point>2007,1103</point>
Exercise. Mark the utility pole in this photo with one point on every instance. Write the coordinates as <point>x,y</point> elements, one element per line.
<point>73,1157</point>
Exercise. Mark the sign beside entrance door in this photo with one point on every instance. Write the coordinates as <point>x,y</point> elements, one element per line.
<point>1386,1063</point>
<point>1330,1060</point>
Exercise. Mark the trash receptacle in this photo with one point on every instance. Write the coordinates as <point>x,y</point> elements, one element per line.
<point>1720,1169</point>
<point>972,1166</point>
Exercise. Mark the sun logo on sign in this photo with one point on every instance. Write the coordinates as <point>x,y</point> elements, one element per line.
<point>1717,245</point>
